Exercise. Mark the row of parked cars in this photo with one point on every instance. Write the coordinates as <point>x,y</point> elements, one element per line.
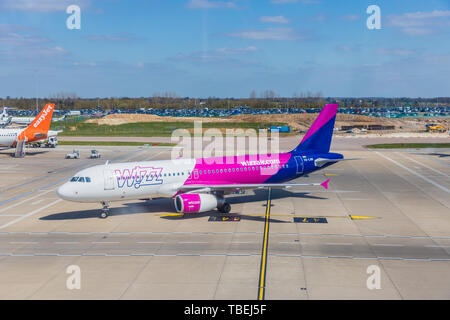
<point>202,111</point>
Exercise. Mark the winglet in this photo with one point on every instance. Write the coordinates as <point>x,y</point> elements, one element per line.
<point>325,184</point>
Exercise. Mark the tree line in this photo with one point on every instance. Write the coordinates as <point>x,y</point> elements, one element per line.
<point>71,101</point>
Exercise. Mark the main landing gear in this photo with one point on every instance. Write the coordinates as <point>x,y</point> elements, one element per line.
<point>222,205</point>
<point>225,208</point>
<point>105,211</point>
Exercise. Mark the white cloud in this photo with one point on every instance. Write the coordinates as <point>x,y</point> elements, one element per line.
<point>236,51</point>
<point>345,48</point>
<point>293,1</point>
<point>283,1</point>
<point>84,64</point>
<point>268,34</point>
<point>421,23</point>
<point>18,36</point>
<point>395,52</point>
<point>274,19</point>
<point>22,43</point>
<point>41,5</point>
<point>351,17</point>
<point>117,37</point>
<point>208,4</point>
<point>230,57</point>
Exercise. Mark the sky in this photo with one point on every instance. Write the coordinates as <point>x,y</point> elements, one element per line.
<point>226,49</point>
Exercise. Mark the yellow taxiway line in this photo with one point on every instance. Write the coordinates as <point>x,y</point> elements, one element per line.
<point>262,274</point>
<point>353,217</point>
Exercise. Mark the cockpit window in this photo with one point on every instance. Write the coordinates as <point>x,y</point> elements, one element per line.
<point>81,179</point>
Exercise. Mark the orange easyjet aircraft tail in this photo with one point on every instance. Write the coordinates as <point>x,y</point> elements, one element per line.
<point>38,129</point>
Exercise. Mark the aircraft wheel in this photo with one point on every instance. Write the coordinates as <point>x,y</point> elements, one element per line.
<point>226,208</point>
<point>103,214</point>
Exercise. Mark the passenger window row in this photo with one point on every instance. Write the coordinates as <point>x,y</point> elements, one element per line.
<point>242,169</point>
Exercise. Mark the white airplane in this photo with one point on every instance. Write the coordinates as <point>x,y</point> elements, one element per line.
<point>199,185</point>
<point>59,119</point>
<point>37,130</point>
<point>5,119</point>
<point>22,120</point>
<point>28,120</point>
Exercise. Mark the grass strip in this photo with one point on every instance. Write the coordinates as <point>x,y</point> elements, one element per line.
<point>113,143</point>
<point>407,145</point>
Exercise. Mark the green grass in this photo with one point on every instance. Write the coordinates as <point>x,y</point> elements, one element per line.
<point>149,129</point>
<point>408,145</point>
<point>112,143</point>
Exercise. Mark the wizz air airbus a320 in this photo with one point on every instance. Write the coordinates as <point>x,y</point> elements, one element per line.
<point>199,185</point>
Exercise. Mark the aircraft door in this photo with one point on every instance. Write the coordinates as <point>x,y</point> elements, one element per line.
<point>299,162</point>
<point>109,179</point>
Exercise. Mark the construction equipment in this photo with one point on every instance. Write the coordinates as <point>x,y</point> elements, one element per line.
<point>434,127</point>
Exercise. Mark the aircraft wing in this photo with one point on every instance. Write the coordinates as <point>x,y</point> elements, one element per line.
<point>231,187</point>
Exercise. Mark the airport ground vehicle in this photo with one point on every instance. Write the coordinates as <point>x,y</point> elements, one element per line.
<point>199,185</point>
<point>51,142</point>
<point>74,155</point>
<point>95,154</point>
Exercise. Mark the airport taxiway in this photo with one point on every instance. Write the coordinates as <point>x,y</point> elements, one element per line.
<point>142,252</point>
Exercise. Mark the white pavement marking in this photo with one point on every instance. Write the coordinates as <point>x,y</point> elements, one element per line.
<point>28,199</point>
<point>66,242</point>
<point>415,173</point>
<point>339,244</point>
<point>287,242</point>
<point>105,242</point>
<point>23,242</point>
<point>155,155</point>
<point>437,246</point>
<point>150,242</point>
<point>424,165</point>
<point>191,242</point>
<point>29,214</point>
<point>388,245</point>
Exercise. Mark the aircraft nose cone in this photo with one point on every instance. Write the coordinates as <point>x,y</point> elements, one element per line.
<point>63,192</point>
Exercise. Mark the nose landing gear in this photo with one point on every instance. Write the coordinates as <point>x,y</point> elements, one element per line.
<point>105,210</point>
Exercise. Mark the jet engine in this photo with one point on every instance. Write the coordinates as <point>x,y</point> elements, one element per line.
<point>196,202</point>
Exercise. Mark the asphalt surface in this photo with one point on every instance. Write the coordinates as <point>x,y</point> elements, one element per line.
<point>141,253</point>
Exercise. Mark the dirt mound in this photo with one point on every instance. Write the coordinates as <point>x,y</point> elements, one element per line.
<point>297,122</point>
<point>116,119</point>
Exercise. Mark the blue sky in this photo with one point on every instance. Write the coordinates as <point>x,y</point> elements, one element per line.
<point>227,48</point>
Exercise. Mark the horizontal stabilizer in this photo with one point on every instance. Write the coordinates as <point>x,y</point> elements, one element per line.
<point>320,162</point>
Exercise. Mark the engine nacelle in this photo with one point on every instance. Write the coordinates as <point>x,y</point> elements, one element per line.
<point>196,202</point>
